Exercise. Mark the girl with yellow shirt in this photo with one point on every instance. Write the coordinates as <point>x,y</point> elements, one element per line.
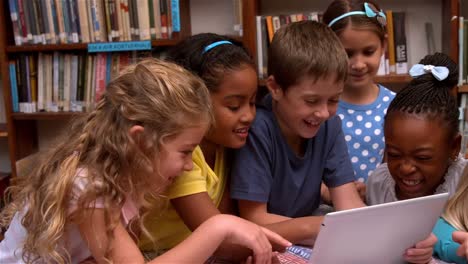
<point>229,73</point>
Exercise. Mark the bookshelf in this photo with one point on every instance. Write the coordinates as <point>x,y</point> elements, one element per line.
<point>21,129</point>
<point>77,46</point>
<point>463,88</point>
<point>3,131</point>
<point>439,12</point>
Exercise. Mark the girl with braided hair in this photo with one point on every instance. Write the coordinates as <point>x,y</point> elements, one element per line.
<point>422,139</point>
<point>92,191</point>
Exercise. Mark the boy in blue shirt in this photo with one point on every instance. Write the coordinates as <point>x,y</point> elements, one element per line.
<point>296,141</point>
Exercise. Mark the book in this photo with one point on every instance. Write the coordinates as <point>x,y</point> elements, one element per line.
<point>164,16</point>
<point>175,15</point>
<point>258,23</point>
<point>53,23</point>
<point>270,30</point>
<point>143,20</point>
<point>13,87</point>
<point>237,8</point>
<point>391,42</point>
<point>83,19</point>
<point>401,49</point>
<point>157,18</point>
<point>295,255</point>
<point>15,22</point>
<point>461,70</point>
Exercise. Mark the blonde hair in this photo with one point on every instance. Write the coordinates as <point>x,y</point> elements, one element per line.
<point>456,212</point>
<point>160,96</point>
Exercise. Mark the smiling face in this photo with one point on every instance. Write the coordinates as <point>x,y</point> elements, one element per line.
<point>364,49</point>
<point>419,152</point>
<point>175,155</point>
<point>234,108</point>
<point>303,107</point>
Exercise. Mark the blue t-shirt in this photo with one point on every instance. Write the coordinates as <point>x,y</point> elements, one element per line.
<point>267,170</point>
<point>445,248</point>
<point>363,130</point>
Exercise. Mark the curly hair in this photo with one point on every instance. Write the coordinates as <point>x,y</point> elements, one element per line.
<point>160,96</point>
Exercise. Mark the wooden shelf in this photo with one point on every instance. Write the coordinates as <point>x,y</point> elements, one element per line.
<point>463,88</point>
<point>77,46</point>
<point>392,78</point>
<point>46,115</point>
<point>3,130</point>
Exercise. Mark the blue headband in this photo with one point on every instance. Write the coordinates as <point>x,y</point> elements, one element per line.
<point>369,12</point>
<point>214,44</point>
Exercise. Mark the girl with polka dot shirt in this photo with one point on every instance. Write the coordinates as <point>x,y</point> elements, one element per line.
<point>363,103</point>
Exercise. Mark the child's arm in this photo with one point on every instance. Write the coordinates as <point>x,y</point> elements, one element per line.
<point>93,231</point>
<point>197,248</point>
<point>345,197</point>
<point>325,194</point>
<point>221,228</point>
<point>295,230</point>
<point>195,209</point>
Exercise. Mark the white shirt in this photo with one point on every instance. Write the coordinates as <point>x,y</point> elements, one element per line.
<point>381,186</point>
<point>11,246</point>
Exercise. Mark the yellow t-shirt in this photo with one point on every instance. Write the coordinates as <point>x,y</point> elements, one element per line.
<point>168,228</point>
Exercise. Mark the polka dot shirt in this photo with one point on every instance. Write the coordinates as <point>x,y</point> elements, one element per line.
<point>363,130</point>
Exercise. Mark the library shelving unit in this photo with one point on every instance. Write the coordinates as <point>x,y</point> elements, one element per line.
<point>22,128</point>
<point>3,130</point>
<point>449,17</point>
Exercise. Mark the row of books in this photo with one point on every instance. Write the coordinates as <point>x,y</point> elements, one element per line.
<point>267,27</point>
<point>60,81</point>
<point>394,61</point>
<point>75,21</point>
<point>395,58</point>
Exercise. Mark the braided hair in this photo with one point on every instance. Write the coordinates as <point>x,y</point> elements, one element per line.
<point>425,95</point>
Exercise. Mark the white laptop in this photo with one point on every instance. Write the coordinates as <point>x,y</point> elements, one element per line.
<point>376,234</point>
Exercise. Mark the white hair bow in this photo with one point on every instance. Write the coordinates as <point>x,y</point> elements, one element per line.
<point>439,72</point>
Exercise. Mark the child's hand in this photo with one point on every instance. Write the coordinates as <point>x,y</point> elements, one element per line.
<point>274,259</point>
<point>250,235</point>
<point>462,239</point>
<point>422,251</point>
<point>361,189</point>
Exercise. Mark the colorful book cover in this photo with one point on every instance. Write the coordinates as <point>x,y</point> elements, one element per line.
<point>295,255</point>
<point>13,87</point>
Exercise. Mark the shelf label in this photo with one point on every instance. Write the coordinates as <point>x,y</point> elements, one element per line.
<point>119,46</point>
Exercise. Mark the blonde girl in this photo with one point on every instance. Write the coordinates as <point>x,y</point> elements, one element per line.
<point>455,218</point>
<point>82,200</point>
